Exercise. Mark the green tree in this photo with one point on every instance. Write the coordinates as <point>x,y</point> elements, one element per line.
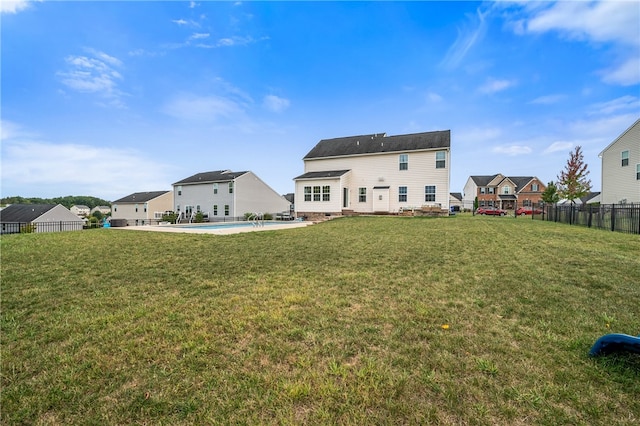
<point>550,195</point>
<point>572,181</point>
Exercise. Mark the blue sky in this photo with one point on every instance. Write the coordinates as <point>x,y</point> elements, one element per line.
<point>110,98</point>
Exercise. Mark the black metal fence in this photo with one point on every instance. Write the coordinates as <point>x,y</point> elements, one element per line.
<point>31,227</point>
<point>613,217</point>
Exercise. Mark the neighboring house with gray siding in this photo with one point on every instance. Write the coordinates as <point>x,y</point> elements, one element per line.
<point>375,173</point>
<point>141,208</point>
<point>621,168</point>
<point>223,193</point>
<point>38,218</point>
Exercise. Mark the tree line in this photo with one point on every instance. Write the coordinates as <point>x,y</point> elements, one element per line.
<point>68,201</point>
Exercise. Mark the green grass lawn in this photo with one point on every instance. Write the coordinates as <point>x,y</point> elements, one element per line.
<point>380,320</point>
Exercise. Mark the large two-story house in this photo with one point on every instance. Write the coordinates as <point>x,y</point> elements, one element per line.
<point>375,173</point>
<point>621,168</point>
<point>505,192</point>
<point>224,194</point>
<point>141,208</point>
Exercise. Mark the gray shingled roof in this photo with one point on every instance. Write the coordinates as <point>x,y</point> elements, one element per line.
<point>215,176</point>
<point>483,180</point>
<point>379,143</point>
<point>519,181</point>
<point>24,212</point>
<point>140,197</point>
<point>456,195</point>
<point>323,174</point>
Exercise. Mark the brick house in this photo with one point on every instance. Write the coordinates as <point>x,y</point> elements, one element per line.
<point>506,192</point>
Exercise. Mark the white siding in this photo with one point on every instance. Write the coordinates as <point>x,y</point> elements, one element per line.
<point>618,182</point>
<point>128,211</point>
<point>255,196</point>
<point>334,205</point>
<point>470,192</point>
<point>373,170</point>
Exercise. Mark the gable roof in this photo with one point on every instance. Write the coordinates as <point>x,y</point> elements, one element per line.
<point>483,180</point>
<point>81,206</point>
<point>24,212</point>
<point>379,143</point>
<point>456,195</point>
<point>140,197</point>
<point>519,181</point>
<point>210,177</point>
<point>321,175</point>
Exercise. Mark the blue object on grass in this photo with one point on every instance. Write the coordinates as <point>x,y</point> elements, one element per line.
<point>615,343</point>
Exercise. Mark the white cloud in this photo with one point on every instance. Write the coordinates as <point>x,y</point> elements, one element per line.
<point>275,104</point>
<point>94,74</point>
<point>619,104</point>
<point>494,86</point>
<point>466,39</point>
<point>434,97</point>
<point>602,22</point>
<point>548,99</point>
<point>13,6</point>
<point>198,36</point>
<point>512,150</point>
<point>27,169</point>
<point>625,74</point>
<point>558,146</point>
<point>179,21</point>
<point>202,108</point>
<point>594,21</point>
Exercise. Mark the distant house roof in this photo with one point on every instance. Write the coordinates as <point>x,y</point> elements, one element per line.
<point>24,212</point>
<point>483,180</point>
<point>323,174</point>
<point>290,197</point>
<point>81,206</point>
<point>519,181</point>
<point>215,176</point>
<point>456,195</point>
<point>379,143</point>
<point>140,197</point>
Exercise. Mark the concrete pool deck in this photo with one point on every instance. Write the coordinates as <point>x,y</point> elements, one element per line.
<point>223,230</point>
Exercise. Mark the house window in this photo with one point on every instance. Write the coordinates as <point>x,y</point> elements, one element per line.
<point>362,195</point>
<point>506,189</point>
<point>638,171</point>
<point>307,193</point>
<point>625,158</point>
<point>404,161</point>
<point>215,210</point>
<point>440,159</point>
<point>179,190</point>
<point>230,187</point>
<point>136,208</point>
<point>491,190</point>
<point>145,207</point>
<point>326,196</point>
<point>402,194</point>
<point>215,188</point>
<point>115,207</point>
<point>535,187</point>
<point>226,209</point>
<point>430,193</point>
<point>316,193</point>
<point>483,189</point>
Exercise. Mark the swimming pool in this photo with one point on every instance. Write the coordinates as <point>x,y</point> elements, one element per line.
<point>227,225</point>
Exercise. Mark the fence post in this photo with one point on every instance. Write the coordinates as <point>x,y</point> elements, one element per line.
<point>589,218</point>
<point>613,217</point>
